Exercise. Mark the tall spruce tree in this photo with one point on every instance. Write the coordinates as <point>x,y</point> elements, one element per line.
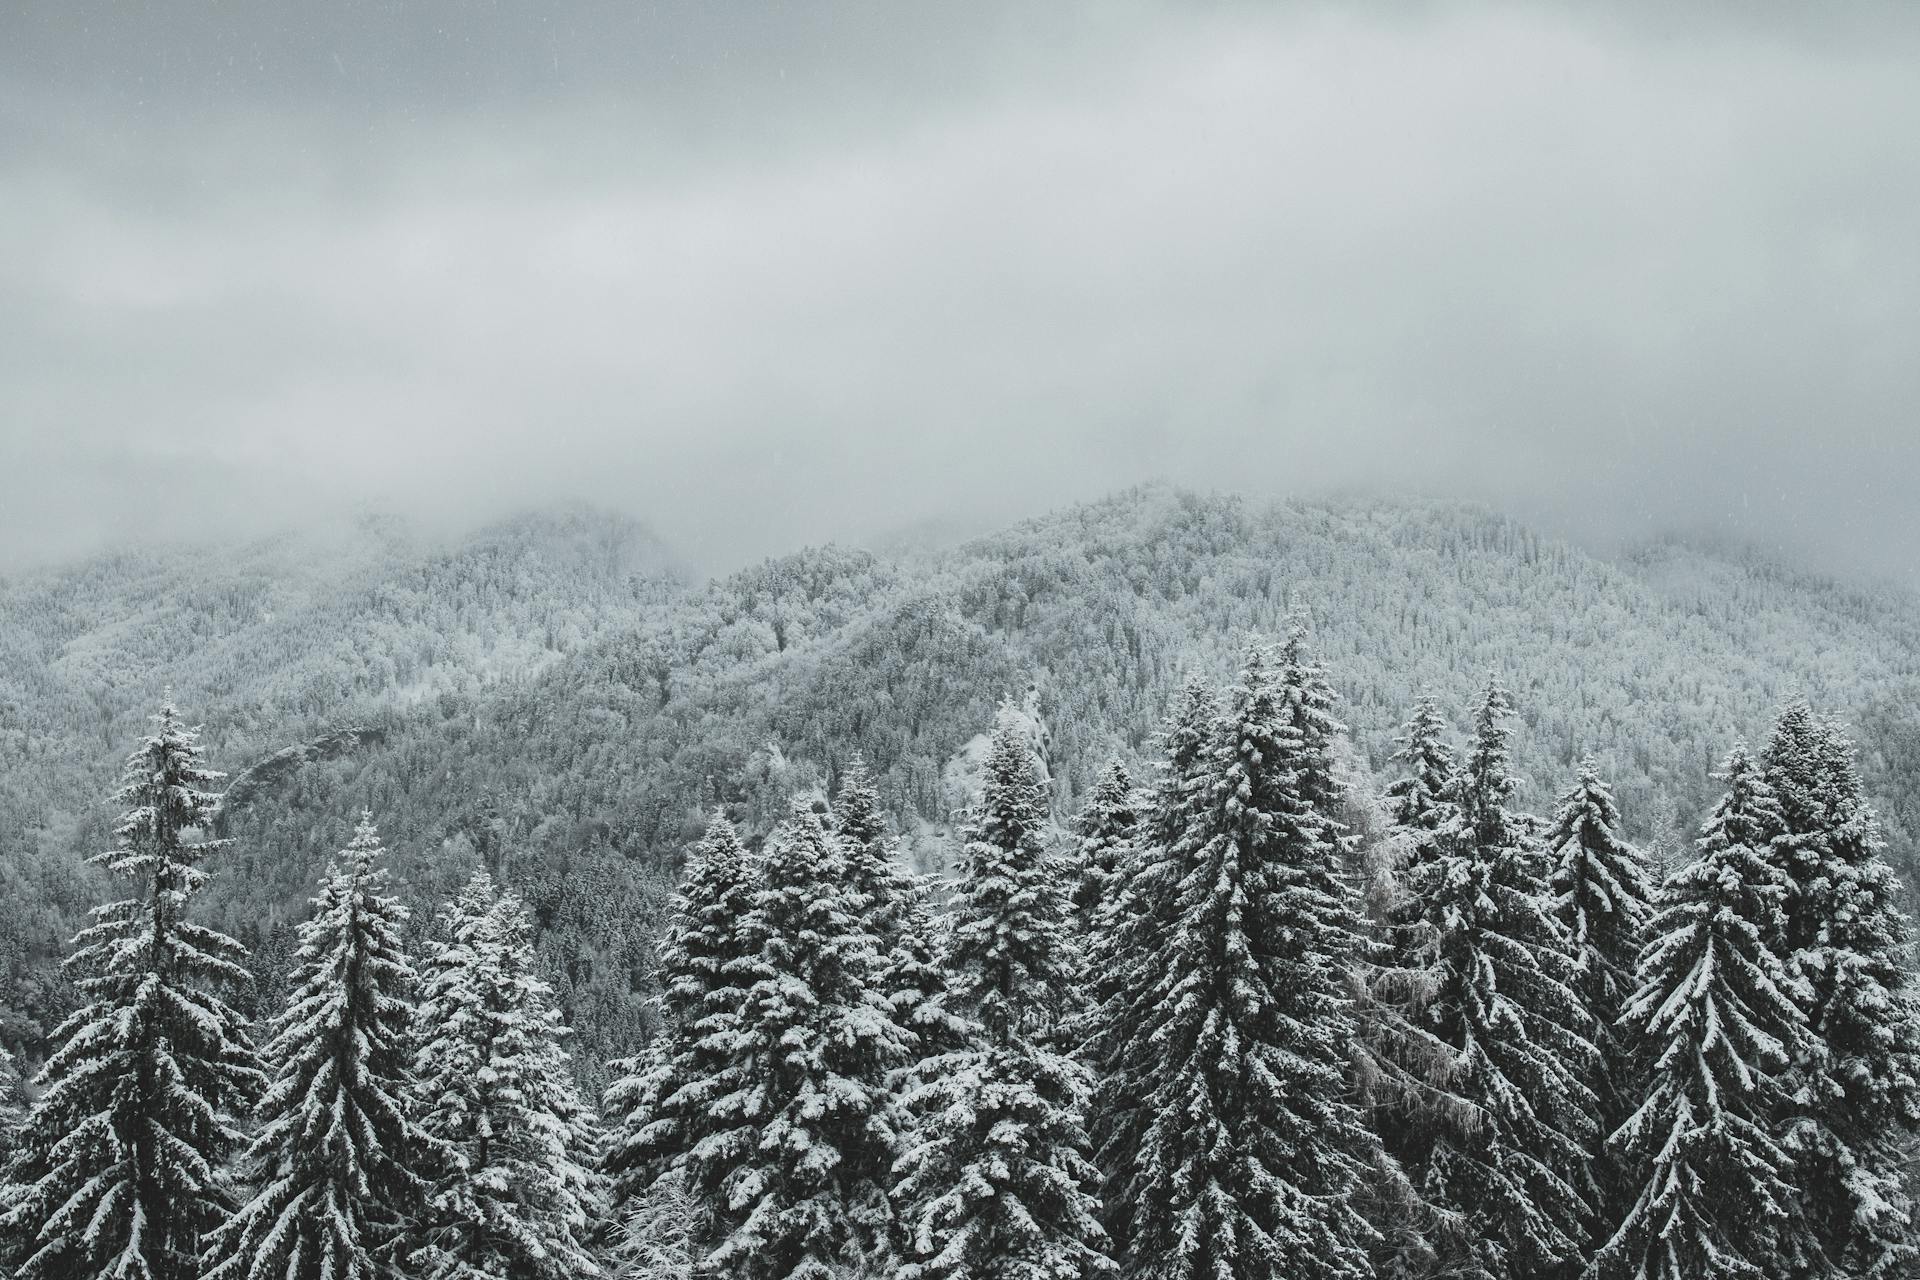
<point>1602,898</point>
<point>663,1107</point>
<point>1409,1075</point>
<point>809,1129</point>
<point>513,1192</point>
<point>332,1163</point>
<point>1105,829</point>
<point>1710,1191</point>
<point>1309,700</point>
<point>1254,1162</point>
<point>892,905</point>
<point>119,1171</point>
<point>1855,1110</point>
<point>1421,800</point>
<point>1502,1000</point>
<point>996,1181</point>
<point>1111,1033</point>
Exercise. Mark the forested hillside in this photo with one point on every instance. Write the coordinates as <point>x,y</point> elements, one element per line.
<point>272,644</point>
<point>550,701</point>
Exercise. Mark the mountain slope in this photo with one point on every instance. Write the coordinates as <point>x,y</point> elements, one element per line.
<point>267,644</point>
<point>581,770</point>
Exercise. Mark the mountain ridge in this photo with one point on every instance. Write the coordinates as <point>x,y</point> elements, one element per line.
<point>554,700</point>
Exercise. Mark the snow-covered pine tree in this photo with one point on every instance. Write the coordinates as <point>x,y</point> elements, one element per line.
<point>1111,1033</point>
<point>1105,828</point>
<point>1310,702</point>
<point>1717,1025</point>
<point>1602,899</point>
<point>893,907</point>
<point>996,1180</point>
<point>513,1192</point>
<point>662,1108</point>
<point>1421,800</point>
<point>1502,1000</point>
<point>332,1162</point>
<point>1255,1160</point>
<point>1409,1075</point>
<point>860,824</point>
<point>810,1128</point>
<point>1855,1112</point>
<point>119,1168</point>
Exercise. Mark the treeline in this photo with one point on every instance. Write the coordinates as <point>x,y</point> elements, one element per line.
<point>549,706</point>
<point>1249,1022</point>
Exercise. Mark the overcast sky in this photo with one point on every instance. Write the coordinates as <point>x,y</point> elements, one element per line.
<point>767,273</point>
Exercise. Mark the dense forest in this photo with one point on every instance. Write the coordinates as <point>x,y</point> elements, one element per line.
<point>554,700</point>
<point>1250,1017</point>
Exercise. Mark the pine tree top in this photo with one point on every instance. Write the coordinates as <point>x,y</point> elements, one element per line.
<point>1599,881</point>
<point>1794,758</point>
<point>1112,805</point>
<point>1748,814</point>
<point>1486,783</point>
<point>866,843</point>
<point>1717,1013</point>
<point>807,1129</point>
<point>1189,729</point>
<point>857,816</point>
<point>1310,700</point>
<point>1263,750</point>
<point>120,1169</point>
<point>1105,826</point>
<point>718,874</point>
<point>167,791</point>
<point>1421,799</point>
<point>661,1104</point>
<point>516,1195</point>
<point>805,923</point>
<point>1009,964</point>
<point>334,1159</point>
<point>365,849</point>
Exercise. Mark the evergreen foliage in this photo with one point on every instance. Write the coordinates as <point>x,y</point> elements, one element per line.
<point>514,1193</point>
<point>607,705</point>
<point>1105,828</point>
<point>1602,899</point>
<point>1855,1113</point>
<point>656,1232</point>
<point>1710,1183</point>
<point>333,1161</point>
<point>894,909</point>
<point>1113,1033</point>
<point>664,1106</point>
<point>1408,1072</point>
<point>1513,1179</point>
<point>996,1183</point>
<point>120,1168</point>
<point>11,1112</point>
<point>1421,800</point>
<point>545,701</point>
<point>1254,1158</point>
<point>1309,700</point>
<point>808,1131</point>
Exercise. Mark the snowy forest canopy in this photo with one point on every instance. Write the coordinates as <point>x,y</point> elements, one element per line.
<point>1170,971</point>
<point>1252,1019</point>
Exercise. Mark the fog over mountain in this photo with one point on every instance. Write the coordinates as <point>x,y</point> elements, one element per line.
<point>968,640</point>
<point>771,275</point>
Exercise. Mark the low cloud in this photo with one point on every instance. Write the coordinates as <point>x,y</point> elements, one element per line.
<point>1614,276</point>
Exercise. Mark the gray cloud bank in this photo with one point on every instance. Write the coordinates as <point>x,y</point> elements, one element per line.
<point>766,274</point>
